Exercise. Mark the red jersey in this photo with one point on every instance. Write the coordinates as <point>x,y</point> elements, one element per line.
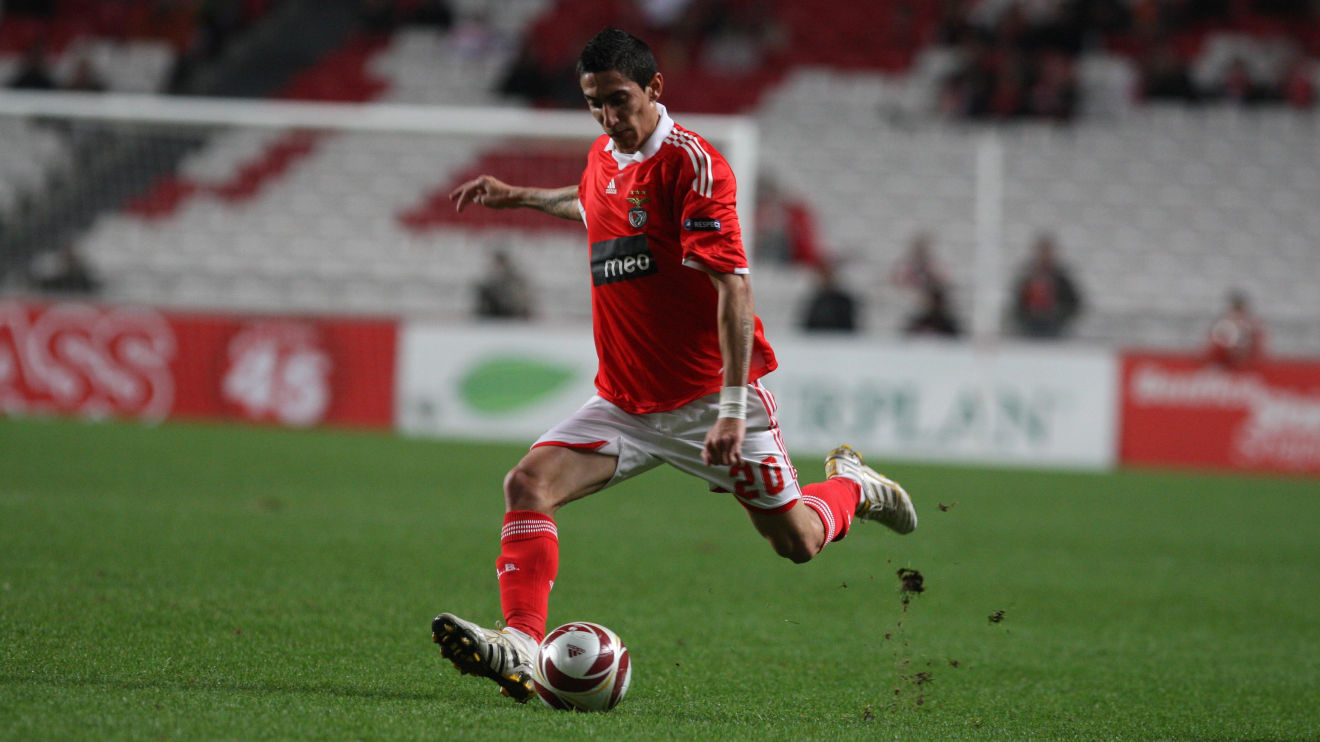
<point>653,219</point>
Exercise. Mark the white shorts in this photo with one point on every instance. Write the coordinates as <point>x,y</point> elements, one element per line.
<point>764,481</point>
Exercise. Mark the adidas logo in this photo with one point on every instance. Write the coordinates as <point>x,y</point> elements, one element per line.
<point>574,650</point>
<point>610,189</point>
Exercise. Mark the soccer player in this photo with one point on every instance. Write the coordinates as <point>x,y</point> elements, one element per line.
<point>681,354</point>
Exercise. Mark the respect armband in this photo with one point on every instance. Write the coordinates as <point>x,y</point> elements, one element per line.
<point>733,402</point>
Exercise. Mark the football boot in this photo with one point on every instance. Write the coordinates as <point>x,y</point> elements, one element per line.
<point>504,656</point>
<point>883,500</point>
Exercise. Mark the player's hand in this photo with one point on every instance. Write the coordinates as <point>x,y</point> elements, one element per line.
<point>485,190</point>
<point>724,442</point>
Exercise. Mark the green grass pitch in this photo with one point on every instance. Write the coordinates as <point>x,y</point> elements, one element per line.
<point>218,582</point>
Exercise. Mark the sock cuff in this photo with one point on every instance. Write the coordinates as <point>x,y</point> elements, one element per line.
<point>521,525</point>
<point>822,509</point>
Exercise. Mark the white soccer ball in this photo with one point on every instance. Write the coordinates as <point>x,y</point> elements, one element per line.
<point>582,666</point>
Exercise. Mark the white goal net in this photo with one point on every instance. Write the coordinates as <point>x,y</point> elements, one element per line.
<point>298,207</point>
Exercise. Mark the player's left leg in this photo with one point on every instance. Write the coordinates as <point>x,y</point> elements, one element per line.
<point>797,533</point>
<point>797,521</point>
<point>823,512</point>
<point>826,509</point>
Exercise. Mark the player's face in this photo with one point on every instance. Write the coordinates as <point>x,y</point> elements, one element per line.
<point>624,109</point>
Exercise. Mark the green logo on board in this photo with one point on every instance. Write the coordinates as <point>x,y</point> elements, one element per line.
<point>502,385</point>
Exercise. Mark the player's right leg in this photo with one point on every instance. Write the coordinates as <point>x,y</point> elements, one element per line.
<point>504,656</point>
<point>552,475</point>
<point>547,478</point>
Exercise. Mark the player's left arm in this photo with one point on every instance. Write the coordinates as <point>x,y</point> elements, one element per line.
<point>706,197</point>
<point>737,329</point>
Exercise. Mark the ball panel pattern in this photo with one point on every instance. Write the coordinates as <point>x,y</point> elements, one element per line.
<point>582,665</point>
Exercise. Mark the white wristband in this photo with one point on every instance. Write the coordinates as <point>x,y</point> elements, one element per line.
<point>733,402</point>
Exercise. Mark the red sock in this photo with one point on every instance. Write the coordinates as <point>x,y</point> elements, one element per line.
<point>528,563</point>
<point>834,500</point>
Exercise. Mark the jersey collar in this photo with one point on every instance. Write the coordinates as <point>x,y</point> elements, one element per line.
<point>649,147</point>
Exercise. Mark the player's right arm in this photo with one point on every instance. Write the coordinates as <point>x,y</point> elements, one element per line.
<point>496,194</point>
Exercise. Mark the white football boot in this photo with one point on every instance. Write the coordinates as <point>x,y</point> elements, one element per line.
<point>883,500</point>
<point>505,656</point>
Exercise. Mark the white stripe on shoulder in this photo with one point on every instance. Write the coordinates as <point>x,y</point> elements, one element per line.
<point>697,161</point>
<point>707,172</point>
<point>704,181</point>
<point>691,156</point>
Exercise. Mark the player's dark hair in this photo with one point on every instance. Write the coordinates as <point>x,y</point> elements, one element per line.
<point>618,50</point>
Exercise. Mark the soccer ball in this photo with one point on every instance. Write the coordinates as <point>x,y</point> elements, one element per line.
<point>582,666</point>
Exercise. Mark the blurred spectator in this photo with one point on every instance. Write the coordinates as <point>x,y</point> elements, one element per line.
<point>1237,337</point>
<point>829,308</point>
<point>934,318</point>
<point>1054,92</point>
<point>504,292</point>
<point>918,270</point>
<point>85,78</point>
<point>785,228</point>
<point>1166,76</point>
<point>68,274</point>
<point>729,35</point>
<point>965,91</point>
<point>533,77</point>
<point>218,21</point>
<point>1014,60</point>
<point>34,72</point>
<point>1007,87</point>
<point>526,78</point>
<point>1020,58</point>
<point>735,50</point>
<point>1046,298</point>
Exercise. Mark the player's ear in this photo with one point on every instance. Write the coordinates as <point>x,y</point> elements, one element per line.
<point>654,88</point>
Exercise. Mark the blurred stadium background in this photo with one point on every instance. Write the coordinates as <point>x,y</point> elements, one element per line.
<point>236,210</point>
<point>291,158</point>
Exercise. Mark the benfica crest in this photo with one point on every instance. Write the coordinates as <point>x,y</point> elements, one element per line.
<point>637,215</point>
